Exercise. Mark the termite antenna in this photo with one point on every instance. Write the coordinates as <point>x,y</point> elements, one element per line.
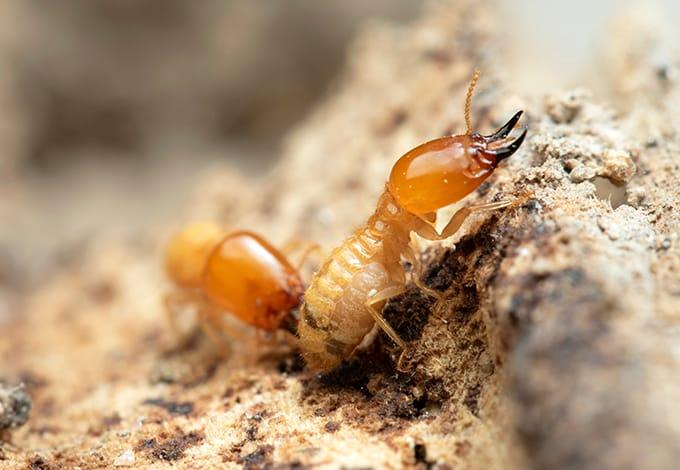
<point>468,100</point>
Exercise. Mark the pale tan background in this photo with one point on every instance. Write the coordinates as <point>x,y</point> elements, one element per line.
<point>110,112</point>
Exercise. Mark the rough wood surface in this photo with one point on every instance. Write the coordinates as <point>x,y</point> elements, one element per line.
<point>558,346</point>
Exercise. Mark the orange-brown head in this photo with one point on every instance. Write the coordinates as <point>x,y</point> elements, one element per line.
<point>251,279</point>
<point>445,170</point>
<point>188,250</point>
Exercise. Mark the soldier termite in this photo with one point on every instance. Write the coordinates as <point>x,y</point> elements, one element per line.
<point>340,306</point>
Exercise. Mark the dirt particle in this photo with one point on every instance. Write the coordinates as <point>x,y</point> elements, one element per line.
<point>463,448</point>
<point>291,364</point>
<point>564,108</point>
<point>111,420</point>
<point>105,423</point>
<point>171,448</point>
<point>440,57</point>
<point>252,420</point>
<point>367,392</point>
<point>125,459</point>
<point>256,459</point>
<point>39,463</point>
<point>15,406</point>
<point>331,427</point>
<point>483,189</point>
<point>32,381</point>
<point>472,398</point>
<point>665,244</point>
<point>177,408</point>
<point>393,122</point>
<point>146,444</point>
<point>103,292</point>
<point>420,456</point>
<point>238,388</point>
<point>618,166</point>
<point>251,433</point>
<point>294,465</point>
<point>353,374</point>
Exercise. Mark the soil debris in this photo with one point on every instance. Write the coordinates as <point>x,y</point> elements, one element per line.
<point>170,448</point>
<point>15,406</point>
<point>177,408</point>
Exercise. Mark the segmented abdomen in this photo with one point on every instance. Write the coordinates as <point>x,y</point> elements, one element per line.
<point>334,317</point>
<point>328,284</point>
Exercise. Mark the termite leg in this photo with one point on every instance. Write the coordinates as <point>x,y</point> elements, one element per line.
<point>417,278</point>
<point>169,302</point>
<point>311,248</point>
<point>462,214</point>
<point>456,221</point>
<point>417,274</point>
<point>173,302</point>
<point>297,245</point>
<point>292,245</point>
<point>424,227</point>
<point>385,294</point>
<point>400,361</point>
<point>209,329</point>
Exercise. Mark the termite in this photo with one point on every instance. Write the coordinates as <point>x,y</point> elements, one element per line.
<point>237,273</point>
<point>340,306</point>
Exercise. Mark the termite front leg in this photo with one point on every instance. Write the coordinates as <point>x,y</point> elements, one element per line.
<point>424,227</point>
<point>380,297</point>
<point>417,273</point>
<point>461,215</point>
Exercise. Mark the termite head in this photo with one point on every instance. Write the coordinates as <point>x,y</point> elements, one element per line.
<point>443,171</point>
<point>188,250</point>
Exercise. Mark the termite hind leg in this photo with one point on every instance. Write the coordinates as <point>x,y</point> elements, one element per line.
<point>210,330</point>
<point>377,298</point>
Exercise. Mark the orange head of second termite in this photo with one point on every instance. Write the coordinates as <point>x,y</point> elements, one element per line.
<point>445,170</point>
<point>187,252</point>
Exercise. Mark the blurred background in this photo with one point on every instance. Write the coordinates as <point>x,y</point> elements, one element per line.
<point>111,110</point>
